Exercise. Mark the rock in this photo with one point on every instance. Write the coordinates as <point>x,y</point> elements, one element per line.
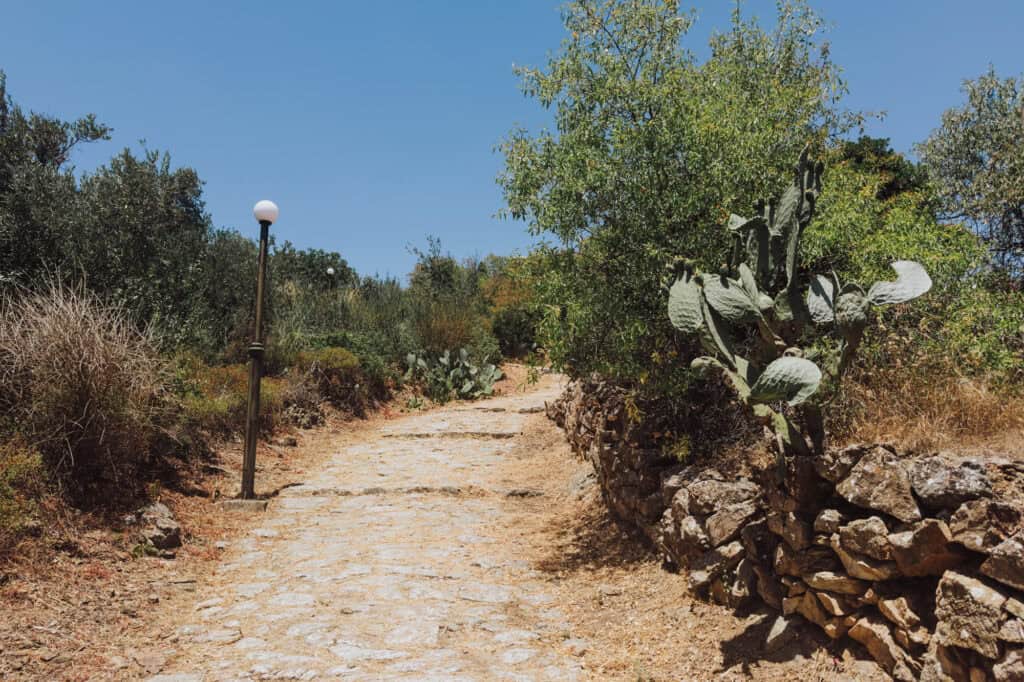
<point>943,484</point>
<point>880,481</point>
<point>868,536</point>
<point>160,528</point>
<point>725,524</point>
<point>713,564</point>
<point>798,564</point>
<point>810,608</point>
<point>863,567</point>
<point>1012,631</point>
<point>980,525</point>
<point>874,634</point>
<point>768,588</point>
<point>782,632</point>
<point>1010,668</point>
<point>803,483</point>
<point>926,549</point>
<point>830,581</point>
<point>834,465</point>
<point>708,496</point>
<point>1006,563</point>
<point>794,586</point>
<point>833,604</point>
<point>828,521</point>
<point>759,542</point>
<point>672,481</point>
<point>942,665</point>
<point>915,640</point>
<point>1014,607</point>
<point>970,614</point>
<point>693,536</point>
<point>680,503</point>
<point>791,528</point>
<point>898,612</point>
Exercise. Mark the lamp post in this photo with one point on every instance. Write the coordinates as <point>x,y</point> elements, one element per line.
<point>330,278</point>
<point>266,213</point>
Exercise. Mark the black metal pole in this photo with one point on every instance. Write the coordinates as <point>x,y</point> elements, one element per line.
<point>255,374</point>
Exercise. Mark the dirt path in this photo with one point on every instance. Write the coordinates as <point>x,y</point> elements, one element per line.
<point>461,544</point>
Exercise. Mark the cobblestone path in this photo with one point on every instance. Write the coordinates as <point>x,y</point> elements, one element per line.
<point>396,560</point>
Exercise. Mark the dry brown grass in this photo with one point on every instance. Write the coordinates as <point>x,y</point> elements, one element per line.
<point>921,412</point>
<point>80,382</point>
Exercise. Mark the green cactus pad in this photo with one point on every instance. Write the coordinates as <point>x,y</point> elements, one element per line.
<point>912,281</point>
<point>821,299</point>
<point>791,379</point>
<point>684,308</point>
<point>729,298</point>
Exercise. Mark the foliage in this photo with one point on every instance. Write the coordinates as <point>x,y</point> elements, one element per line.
<point>451,376</point>
<point>762,286</point>
<point>82,383</point>
<point>976,160</point>
<point>339,378</point>
<point>22,484</point>
<point>650,145</point>
<point>215,399</point>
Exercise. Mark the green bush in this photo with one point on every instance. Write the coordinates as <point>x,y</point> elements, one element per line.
<point>338,376</point>
<point>215,400</point>
<point>22,484</point>
<point>451,376</point>
<point>516,331</point>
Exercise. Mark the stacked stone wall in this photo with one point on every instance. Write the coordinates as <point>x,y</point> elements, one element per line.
<point>919,558</point>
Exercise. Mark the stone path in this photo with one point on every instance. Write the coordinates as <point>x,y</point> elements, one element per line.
<point>395,561</point>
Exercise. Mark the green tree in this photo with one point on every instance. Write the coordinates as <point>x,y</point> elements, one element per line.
<point>976,159</point>
<point>650,147</point>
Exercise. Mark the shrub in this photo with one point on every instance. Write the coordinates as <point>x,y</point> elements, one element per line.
<point>516,331</point>
<point>216,399</point>
<point>22,479</point>
<point>338,376</point>
<point>81,382</point>
<point>451,375</point>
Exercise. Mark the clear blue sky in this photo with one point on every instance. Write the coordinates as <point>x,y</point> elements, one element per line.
<point>373,124</point>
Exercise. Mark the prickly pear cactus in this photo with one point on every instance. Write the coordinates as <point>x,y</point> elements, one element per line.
<point>761,286</point>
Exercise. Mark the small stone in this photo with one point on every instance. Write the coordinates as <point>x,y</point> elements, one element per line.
<point>791,528</point>
<point>798,564</point>
<point>790,605</point>
<point>1006,563</point>
<point>868,536</point>
<point>944,484</point>
<point>836,582</point>
<point>782,632</point>
<point>834,465</point>
<point>1015,607</point>
<point>862,567</point>
<point>941,664</point>
<point>1011,668</point>
<point>713,564</point>
<point>980,525</point>
<point>833,604</point>
<point>828,521</point>
<point>768,587</point>
<point>693,536</point>
<point>725,524</point>
<point>1012,631</point>
<point>970,614</point>
<point>898,612</point>
<point>926,549</point>
<point>759,542</point>
<point>876,637</point>
<point>880,481</point>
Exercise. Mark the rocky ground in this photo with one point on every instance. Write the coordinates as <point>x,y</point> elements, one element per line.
<point>461,543</point>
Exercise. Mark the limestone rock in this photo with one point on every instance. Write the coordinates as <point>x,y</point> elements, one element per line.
<point>680,503</point>
<point>160,529</point>
<point>692,535</point>
<point>970,614</point>
<point>1006,563</point>
<point>868,536</point>
<point>803,484</point>
<point>876,637</point>
<point>725,524</point>
<point>708,496</point>
<point>1015,607</point>
<point>836,582</point>
<point>1011,668</point>
<point>713,564</point>
<point>898,612</point>
<point>782,632</point>
<point>834,465</point>
<point>791,528</point>
<point>810,560</point>
<point>944,484</point>
<point>828,521</point>
<point>880,481</point>
<point>863,567</point>
<point>833,604</point>
<point>980,525</point>
<point>759,542</point>
<point>926,549</point>
<point>1012,631</point>
<point>768,587</point>
<point>941,664</point>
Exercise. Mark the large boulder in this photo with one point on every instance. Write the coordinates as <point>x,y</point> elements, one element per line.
<point>725,524</point>
<point>880,481</point>
<point>980,525</point>
<point>926,549</point>
<point>970,614</point>
<point>943,483</point>
<point>1006,563</point>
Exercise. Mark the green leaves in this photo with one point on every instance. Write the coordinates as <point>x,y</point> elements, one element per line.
<point>788,378</point>
<point>684,308</point>
<point>821,299</point>
<point>730,300</point>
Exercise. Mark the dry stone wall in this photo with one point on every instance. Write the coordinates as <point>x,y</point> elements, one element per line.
<point>918,558</point>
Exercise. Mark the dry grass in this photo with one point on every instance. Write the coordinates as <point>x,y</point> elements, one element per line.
<point>921,412</point>
<point>81,383</point>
